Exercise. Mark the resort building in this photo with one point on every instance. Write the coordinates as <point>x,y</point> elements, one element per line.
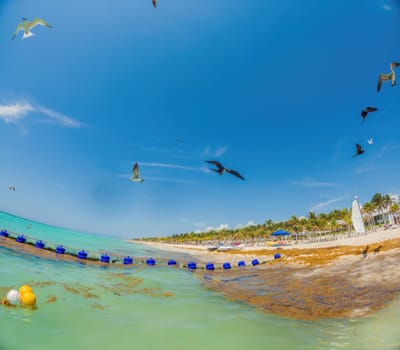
<point>383,215</point>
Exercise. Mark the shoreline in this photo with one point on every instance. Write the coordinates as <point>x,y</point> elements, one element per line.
<point>200,252</point>
<point>349,278</point>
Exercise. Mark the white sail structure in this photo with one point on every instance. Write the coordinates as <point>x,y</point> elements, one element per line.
<point>356,216</point>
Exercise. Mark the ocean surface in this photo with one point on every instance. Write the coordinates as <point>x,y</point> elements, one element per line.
<point>86,307</point>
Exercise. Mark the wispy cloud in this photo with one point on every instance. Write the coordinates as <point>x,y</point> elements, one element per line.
<point>386,148</point>
<point>166,179</point>
<point>12,113</point>
<point>321,205</point>
<point>59,118</point>
<point>249,223</point>
<point>362,170</point>
<point>308,182</point>
<point>387,7</point>
<point>213,228</point>
<point>174,166</point>
<point>215,153</point>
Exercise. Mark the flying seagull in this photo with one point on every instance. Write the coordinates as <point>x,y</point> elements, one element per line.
<point>155,3</point>
<point>221,169</point>
<point>371,141</point>
<point>26,26</point>
<point>12,188</point>
<point>359,150</point>
<point>135,174</point>
<point>367,110</point>
<point>389,76</point>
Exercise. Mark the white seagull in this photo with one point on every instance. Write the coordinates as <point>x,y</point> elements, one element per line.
<point>135,174</point>
<point>371,141</point>
<point>26,26</point>
<point>388,77</point>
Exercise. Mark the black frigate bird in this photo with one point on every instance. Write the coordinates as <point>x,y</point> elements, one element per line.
<point>367,110</point>
<point>359,150</point>
<point>221,169</point>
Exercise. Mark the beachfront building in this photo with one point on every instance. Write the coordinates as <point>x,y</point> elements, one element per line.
<point>384,214</point>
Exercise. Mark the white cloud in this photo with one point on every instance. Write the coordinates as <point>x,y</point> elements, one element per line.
<point>363,170</point>
<point>215,153</point>
<point>321,205</point>
<point>12,113</point>
<point>166,179</point>
<point>174,166</point>
<point>308,182</point>
<point>387,7</point>
<point>251,223</point>
<point>59,118</point>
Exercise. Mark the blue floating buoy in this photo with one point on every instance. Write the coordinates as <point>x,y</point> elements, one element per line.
<point>4,233</point>
<point>192,265</point>
<point>60,249</point>
<point>210,267</point>
<point>21,239</point>
<point>171,262</point>
<point>255,262</point>
<point>39,244</point>
<point>277,256</point>
<point>105,258</point>
<point>226,266</point>
<point>241,263</point>
<point>82,254</point>
<point>128,260</point>
<point>150,261</point>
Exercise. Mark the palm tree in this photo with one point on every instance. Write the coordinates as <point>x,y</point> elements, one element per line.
<point>380,204</point>
<point>394,211</point>
<point>368,209</point>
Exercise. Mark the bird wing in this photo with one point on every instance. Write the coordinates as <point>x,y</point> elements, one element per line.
<point>359,150</point>
<point>382,77</point>
<point>235,173</point>
<point>135,171</point>
<point>216,163</point>
<point>394,65</point>
<point>18,29</point>
<point>155,3</point>
<point>39,21</point>
<point>371,109</point>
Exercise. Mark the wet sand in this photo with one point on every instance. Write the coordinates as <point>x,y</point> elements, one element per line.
<point>310,281</point>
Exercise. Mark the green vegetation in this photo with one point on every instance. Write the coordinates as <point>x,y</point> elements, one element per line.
<point>335,221</point>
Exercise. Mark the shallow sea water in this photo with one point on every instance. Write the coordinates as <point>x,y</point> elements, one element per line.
<point>86,307</point>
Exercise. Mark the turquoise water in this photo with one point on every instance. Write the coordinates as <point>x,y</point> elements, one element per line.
<point>153,308</point>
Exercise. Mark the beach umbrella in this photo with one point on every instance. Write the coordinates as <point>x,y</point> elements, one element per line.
<point>280,233</point>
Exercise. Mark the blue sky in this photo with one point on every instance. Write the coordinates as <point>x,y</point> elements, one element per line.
<point>272,89</point>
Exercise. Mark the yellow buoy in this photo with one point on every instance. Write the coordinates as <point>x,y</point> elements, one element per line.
<point>28,298</point>
<point>24,289</point>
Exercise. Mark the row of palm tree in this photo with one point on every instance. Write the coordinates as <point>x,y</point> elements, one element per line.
<point>335,221</point>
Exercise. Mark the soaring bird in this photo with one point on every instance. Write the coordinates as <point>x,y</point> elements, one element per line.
<point>221,169</point>
<point>12,188</point>
<point>371,141</point>
<point>135,174</point>
<point>367,110</point>
<point>389,76</point>
<point>26,26</point>
<point>359,150</point>
<point>155,3</point>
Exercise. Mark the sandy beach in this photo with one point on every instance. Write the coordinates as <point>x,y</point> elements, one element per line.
<point>350,277</point>
<point>201,254</point>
